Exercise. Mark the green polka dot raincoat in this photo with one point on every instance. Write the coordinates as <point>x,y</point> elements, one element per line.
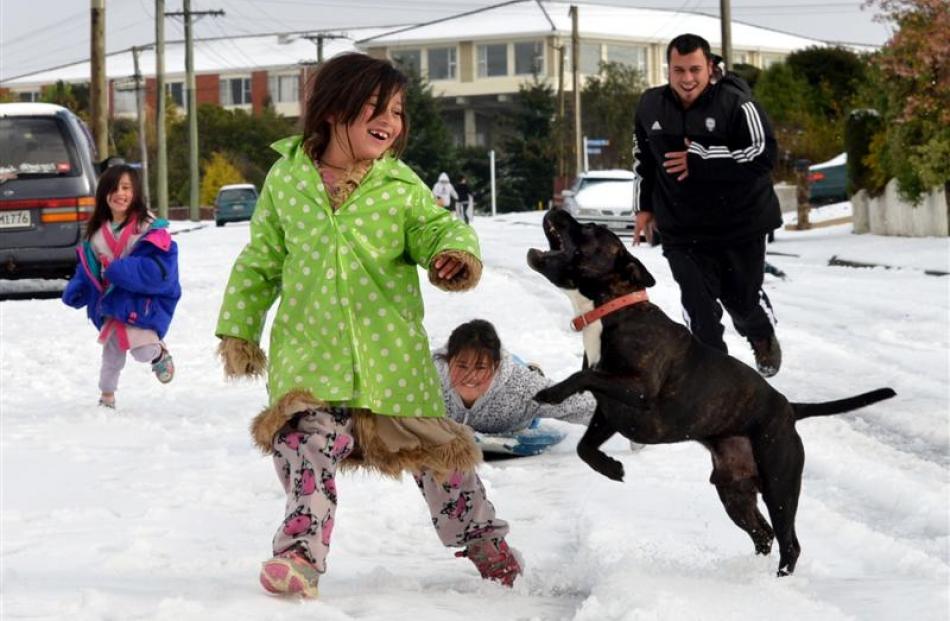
<point>348,327</point>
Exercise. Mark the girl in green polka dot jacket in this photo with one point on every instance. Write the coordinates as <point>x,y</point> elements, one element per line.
<point>338,234</point>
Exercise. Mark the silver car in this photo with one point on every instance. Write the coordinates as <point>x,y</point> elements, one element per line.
<point>603,197</point>
<point>47,189</point>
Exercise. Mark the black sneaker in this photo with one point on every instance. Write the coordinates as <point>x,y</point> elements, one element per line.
<point>768,355</point>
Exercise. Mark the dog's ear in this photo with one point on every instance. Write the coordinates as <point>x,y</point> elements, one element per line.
<point>638,273</point>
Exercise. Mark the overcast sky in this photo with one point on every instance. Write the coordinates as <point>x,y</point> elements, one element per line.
<point>40,34</point>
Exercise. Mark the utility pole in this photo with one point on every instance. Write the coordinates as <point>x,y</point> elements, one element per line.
<point>725,23</point>
<point>194,210</point>
<point>560,112</point>
<point>98,96</point>
<point>161,171</point>
<point>140,112</point>
<point>575,68</point>
<point>318,39</point>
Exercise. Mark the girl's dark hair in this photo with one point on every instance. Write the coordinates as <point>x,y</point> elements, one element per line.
<point>687,44</point>
<point>108,183</point>
<point>340,88</point>
<point>477,335</point>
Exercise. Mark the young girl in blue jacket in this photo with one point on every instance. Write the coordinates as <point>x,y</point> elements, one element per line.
<point>127,279</point>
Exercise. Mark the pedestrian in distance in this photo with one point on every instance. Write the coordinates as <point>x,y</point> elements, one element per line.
<point>339,230</point>
<point>127,279</point>
<point>491,390</point>
<point>704,152</point>
<point>465,205</point>
<point>444,192</point>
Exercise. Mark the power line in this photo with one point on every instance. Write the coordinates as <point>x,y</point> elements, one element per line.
<point>67,21</point>
<point>441,19</point>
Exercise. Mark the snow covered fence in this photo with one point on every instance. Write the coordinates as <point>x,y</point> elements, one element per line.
<point>888,214</point>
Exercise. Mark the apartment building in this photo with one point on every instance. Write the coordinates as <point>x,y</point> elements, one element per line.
<point>475,63</point>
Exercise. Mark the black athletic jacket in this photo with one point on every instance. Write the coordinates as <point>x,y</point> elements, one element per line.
<point>728,193</point>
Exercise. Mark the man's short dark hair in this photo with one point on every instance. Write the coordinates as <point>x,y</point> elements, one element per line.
<point>687,44</point>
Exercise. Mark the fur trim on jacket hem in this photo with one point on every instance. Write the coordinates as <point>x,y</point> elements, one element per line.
<point>388,445</point>
<point>467,277</point>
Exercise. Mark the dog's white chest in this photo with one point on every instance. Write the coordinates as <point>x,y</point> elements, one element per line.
<point>591,332</point>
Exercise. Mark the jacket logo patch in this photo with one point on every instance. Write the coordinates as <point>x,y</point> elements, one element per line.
<point>710,123</point>
<point>656,126</point>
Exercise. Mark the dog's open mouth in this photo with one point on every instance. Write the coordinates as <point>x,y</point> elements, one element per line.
<point>554,237</point>
<point>558,227</point>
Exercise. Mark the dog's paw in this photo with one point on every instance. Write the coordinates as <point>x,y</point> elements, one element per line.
<point>551,394</point>
<point>613,470</point>
<point>610,468</point>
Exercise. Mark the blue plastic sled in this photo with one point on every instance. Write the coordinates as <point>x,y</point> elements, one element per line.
<point>536,439</point>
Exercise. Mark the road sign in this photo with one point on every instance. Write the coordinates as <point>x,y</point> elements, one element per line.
<point>594,150</point>
<point>598,142</point>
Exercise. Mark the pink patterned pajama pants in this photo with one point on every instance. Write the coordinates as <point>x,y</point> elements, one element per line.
<point>307,452</point>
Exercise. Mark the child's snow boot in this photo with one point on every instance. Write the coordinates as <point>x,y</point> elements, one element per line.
<point>163,367</point>
<point>290,573</point>
<point>494,560</point>
<point>107,402</point>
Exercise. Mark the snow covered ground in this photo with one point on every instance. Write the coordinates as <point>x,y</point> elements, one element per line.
<point>163,509</point>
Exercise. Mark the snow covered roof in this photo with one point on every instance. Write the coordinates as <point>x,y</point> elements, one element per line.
<point>234,54</point>
<point>596,21</point>
<point>521,20</point>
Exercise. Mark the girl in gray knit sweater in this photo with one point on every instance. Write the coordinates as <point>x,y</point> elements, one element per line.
<point>492,391</point>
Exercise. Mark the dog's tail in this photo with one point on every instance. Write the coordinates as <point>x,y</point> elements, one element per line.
<point>826,408</point>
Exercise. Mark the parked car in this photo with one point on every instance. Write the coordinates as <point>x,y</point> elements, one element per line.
<point>828,180</point>
<point>603,197</point>
<point>235,203</point>
<point>47,189</point>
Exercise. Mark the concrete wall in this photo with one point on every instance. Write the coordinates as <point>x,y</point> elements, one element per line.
<point>888,214</point>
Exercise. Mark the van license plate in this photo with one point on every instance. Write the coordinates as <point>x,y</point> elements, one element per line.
<point>15,219</point>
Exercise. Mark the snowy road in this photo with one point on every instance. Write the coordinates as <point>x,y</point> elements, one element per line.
<point>163,509</point>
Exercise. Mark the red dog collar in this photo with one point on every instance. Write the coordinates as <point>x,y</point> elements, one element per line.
<point>582,321</point>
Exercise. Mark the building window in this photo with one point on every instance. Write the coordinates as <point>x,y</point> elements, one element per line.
<point>771,59</point>
<point>442,63</point>
<point>635,57</point>
<point>492,60</point>
<point>235,91</point>
<point>590,58</point>
<point>123,101</point>
<point>408,60</point>
<point>284,88</point>
<point>28,96</point>
<point>529,57</point>
<point>176,90</point>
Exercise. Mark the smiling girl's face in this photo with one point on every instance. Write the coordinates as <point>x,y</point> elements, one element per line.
<point>121,198</point>
<point>471,373</point>
<point>368,137</point>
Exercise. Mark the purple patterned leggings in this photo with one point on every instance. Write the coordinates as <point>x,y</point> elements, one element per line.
<point>307,452</point>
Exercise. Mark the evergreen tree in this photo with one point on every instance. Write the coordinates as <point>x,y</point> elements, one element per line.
<point>430,149</point>
<point>609,104</point>
<point>244,137</point>
<point>529,159</point>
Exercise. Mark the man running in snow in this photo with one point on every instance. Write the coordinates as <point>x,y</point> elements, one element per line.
<point>704,152</point>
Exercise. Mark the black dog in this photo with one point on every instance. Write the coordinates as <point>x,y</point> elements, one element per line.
<point>654,383</point>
